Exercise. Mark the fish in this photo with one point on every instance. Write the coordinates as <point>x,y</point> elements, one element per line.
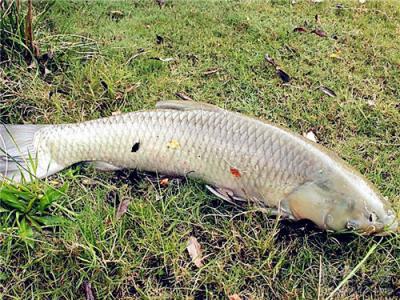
<point>240,158</point>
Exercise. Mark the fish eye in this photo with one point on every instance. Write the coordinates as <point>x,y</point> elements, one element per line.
<point>372,217</point>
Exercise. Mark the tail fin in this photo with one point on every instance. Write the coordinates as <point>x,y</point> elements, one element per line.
<point>19,160</point>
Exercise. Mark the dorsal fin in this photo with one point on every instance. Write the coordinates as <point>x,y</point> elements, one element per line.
<point>186,105</point>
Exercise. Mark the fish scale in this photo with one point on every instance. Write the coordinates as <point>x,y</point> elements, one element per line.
<point>210,144</point>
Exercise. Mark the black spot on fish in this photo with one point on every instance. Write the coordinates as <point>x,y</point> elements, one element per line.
<point>135,147</point>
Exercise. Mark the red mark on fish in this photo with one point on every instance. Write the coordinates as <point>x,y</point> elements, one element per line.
<point>235,172</point>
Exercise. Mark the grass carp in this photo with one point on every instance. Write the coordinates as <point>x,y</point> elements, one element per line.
<point>238,156</point>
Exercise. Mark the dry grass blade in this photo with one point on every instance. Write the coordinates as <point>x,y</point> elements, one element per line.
<point>211,71</point>
<point>28,27</point>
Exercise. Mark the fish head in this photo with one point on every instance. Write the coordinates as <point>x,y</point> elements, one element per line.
<point>343,201</point>
<point>359,206</point>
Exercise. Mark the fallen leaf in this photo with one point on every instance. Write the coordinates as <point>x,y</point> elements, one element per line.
<point>235,172</point>
<point>173,144</point>
<point>122,209</point>
<point>299,29</point>
<point>88,290</point>
<point>194,249</point>
<point>311,136</point>
<point>283,75</point>
<point>270,60</point>
<point>164,182</point>
<point>211,71</point>
<point>183,96</point>
<point>327,91</point>
<point>319,32</point>
<point>159,39</point>
<point>234,297</point>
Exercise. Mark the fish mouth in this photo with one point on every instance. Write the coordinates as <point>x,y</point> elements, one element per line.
<point>384,229</point>
<point>391,228</point>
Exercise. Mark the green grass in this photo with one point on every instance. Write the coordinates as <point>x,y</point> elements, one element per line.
<point>90,73</point>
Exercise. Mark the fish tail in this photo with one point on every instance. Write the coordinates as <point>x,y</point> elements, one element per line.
<point>19,158</point>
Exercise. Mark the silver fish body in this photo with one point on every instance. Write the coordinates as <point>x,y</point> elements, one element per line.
<point>254,160</point>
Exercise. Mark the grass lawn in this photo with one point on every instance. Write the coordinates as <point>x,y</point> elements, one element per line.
<point>105,57</point>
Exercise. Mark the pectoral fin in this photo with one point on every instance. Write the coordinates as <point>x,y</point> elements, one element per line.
<point>225,194</point>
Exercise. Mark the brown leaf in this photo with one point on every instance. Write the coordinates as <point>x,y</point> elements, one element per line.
<point>234,297</point>
<point>194,249</point>
<point>283,75</point>
<point>299,29</point>
<point>183,96</point>
<point>319,32</point>
<point>164,182</point>
<point>88,290</point>
<point>327,91</point>
<point>122,208</point>
<point>211,71</point>
<point>270,60</point>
